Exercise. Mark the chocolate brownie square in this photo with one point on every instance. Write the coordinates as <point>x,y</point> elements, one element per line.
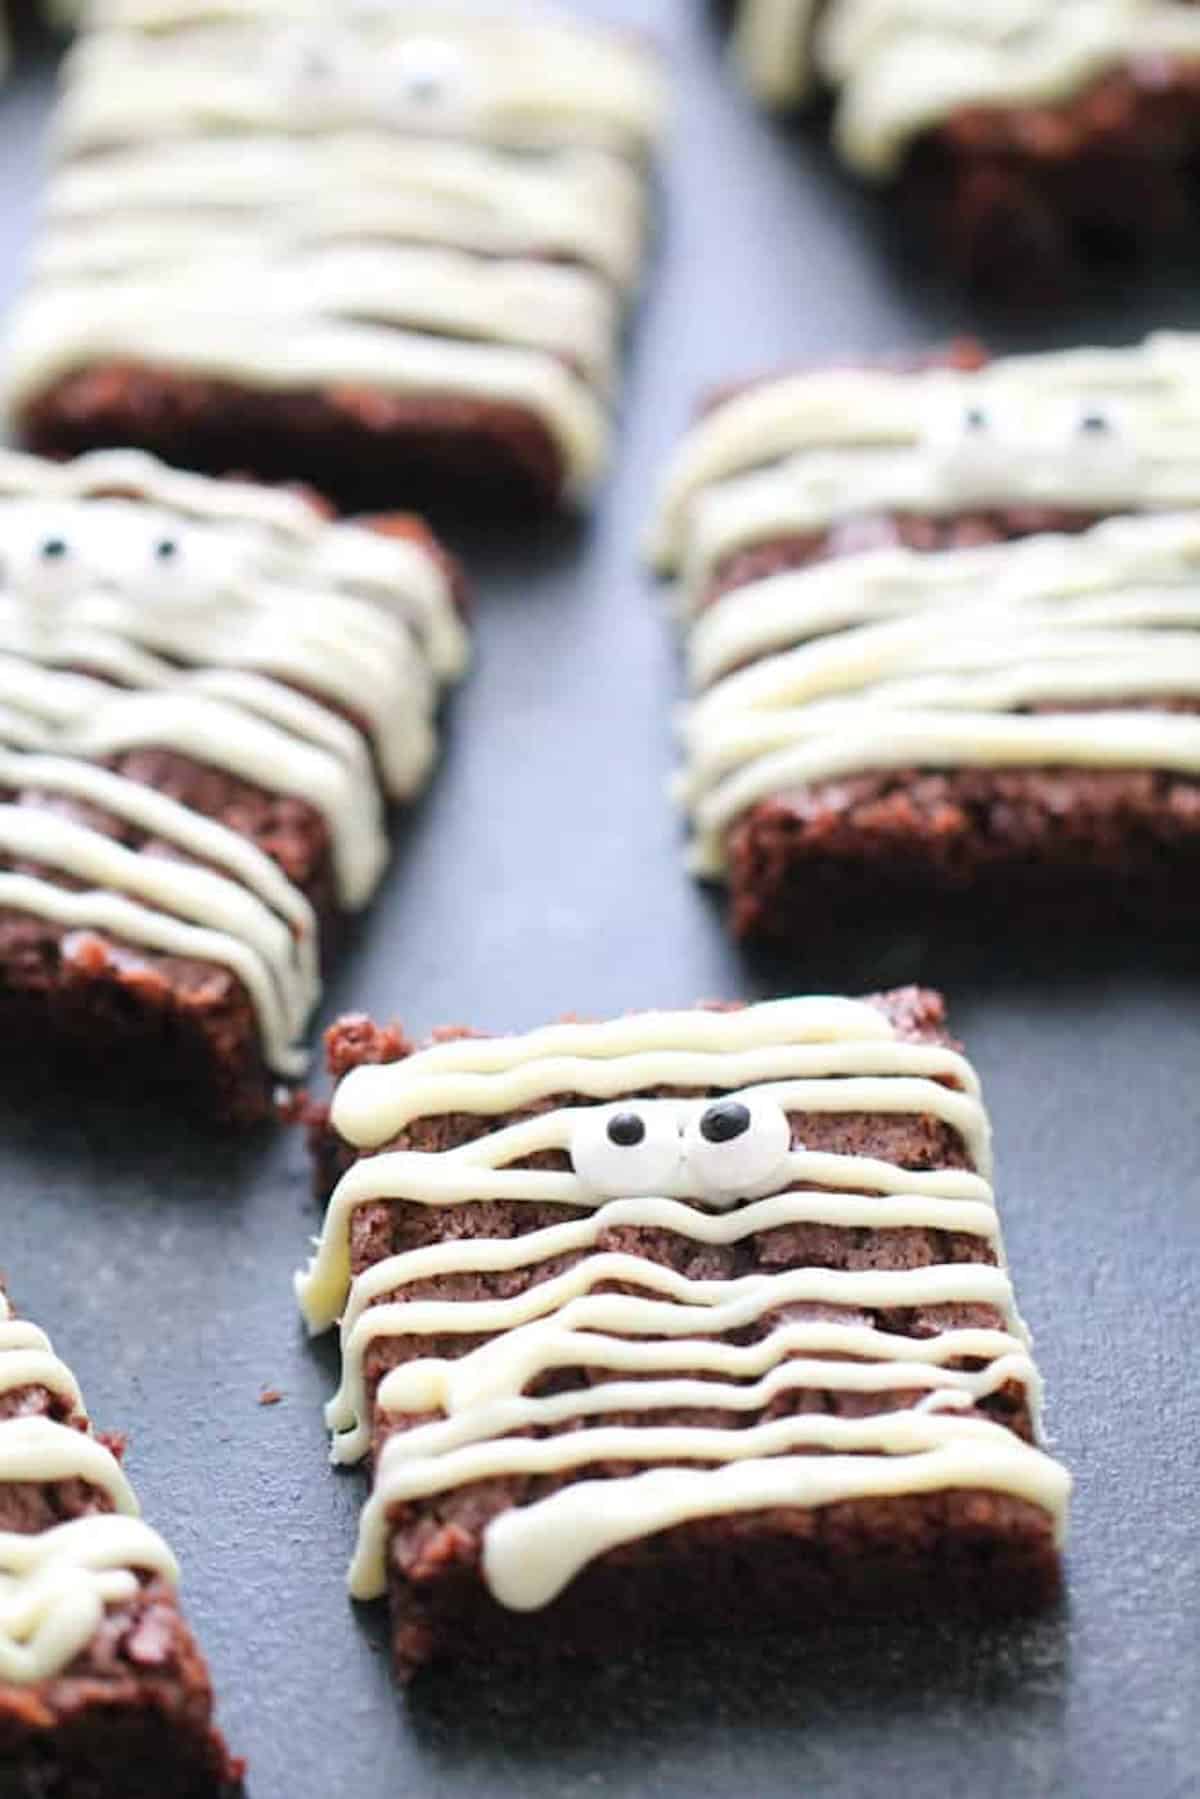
<point>209,698</point>
<point>388,253</point>
<point>1024,146</point>
<point>686,1321</point>
<point>103,1690</point>
<point>942,640</point>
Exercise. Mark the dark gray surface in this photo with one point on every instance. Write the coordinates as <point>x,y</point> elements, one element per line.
<point>542,875</point>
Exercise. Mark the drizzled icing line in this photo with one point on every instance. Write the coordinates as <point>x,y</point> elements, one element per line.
<point>55,1585</point>
<point>231,625</point>
<point>979,640</point>
<point>425,202</point>
<point>661,1340</point>
<point>1109,430</point>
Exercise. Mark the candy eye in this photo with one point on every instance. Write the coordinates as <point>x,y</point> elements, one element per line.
<point>972,449</point>
<point>735,1145</point>
<point>48,566</point>
<point>423,79</point>
<point>311,75</point>
<point>628,1151</point>
<point>1100,456</point>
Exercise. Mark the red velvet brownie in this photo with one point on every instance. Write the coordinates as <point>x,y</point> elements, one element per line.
<point>686,1321</point>
<point>209,696</point>
<point>942,640</point>
<point>387,253</point>
<point>103,1690</point>
<point>1026,136</point>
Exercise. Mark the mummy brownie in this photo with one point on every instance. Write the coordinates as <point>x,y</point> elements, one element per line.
<point>102,1688</point>
<point>209,697</point>
<point>386,251</point>
<point>1026,135</point>
<point>687,1320</point>
<point>942,639</point>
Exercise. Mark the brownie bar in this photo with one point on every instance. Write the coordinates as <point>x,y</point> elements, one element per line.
<point>1020,155</point>
<point>208,697</point>
<point>686,1321</point>
<point>394,263</point>
<point>939,648</point>
<point>103,1690</point>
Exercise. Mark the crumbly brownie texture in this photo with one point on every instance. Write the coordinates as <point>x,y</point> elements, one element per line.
<point>103,1691</point>
<point>208,696</point>
<point>1027,138</point>
<point>685,1321</point>
<point>388,254</point>
<point>929,652</point>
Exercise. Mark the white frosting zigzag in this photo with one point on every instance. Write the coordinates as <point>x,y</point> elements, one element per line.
<point>662,1341</point>
<point>388,201</point>
<point>231,625</point>
<point>56,1585</point>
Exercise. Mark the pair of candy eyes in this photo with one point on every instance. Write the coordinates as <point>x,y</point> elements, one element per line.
<point>56,564</point>
<point>420,75</point>
<point>724,1149</point>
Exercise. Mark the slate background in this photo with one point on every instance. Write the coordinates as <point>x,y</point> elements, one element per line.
<point>542,875</point>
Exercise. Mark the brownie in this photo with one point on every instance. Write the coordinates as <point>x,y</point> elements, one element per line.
<point>966,560</point>
<point>211,699</point>
<point>771,1227</point>
<point>432,251</point>
<point>1022,159</point>
<point>128,1714</point>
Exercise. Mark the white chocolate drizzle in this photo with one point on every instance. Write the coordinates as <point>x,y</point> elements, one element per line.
<point>1043,653</point>
<point>899,68</point>
<point>1103,430</point>
<point>431,201</point>
<point>56,1584</point>
<point>228,624</point>
<point>666,1340</point>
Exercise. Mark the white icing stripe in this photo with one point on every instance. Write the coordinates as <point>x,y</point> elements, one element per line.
<point>802,453</point>
<point>247,341</point>
<point>640,1337</point>
<point>771,43</point>
<point>531,1552</point>
<point>350,182</point>
<point>527,79</point>
<point>903,66</point>
<point>119,211</point>
<point>55,1584</point>
<point>230,738</point>
<point>978,640</point>
<point>373,1104</point>
<point>279,537</point>
<point>530,1330</point>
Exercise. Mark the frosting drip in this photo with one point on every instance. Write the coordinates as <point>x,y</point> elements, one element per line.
<point>646,1338</point>
<point>56,1584</point>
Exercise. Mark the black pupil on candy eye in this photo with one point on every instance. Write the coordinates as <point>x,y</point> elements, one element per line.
<point>54,549</point>
<point>975,419</point>
<point>626,1129</point>
<point>166,549</point>
<point>1094,424</point>
<point>722,1123</point>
